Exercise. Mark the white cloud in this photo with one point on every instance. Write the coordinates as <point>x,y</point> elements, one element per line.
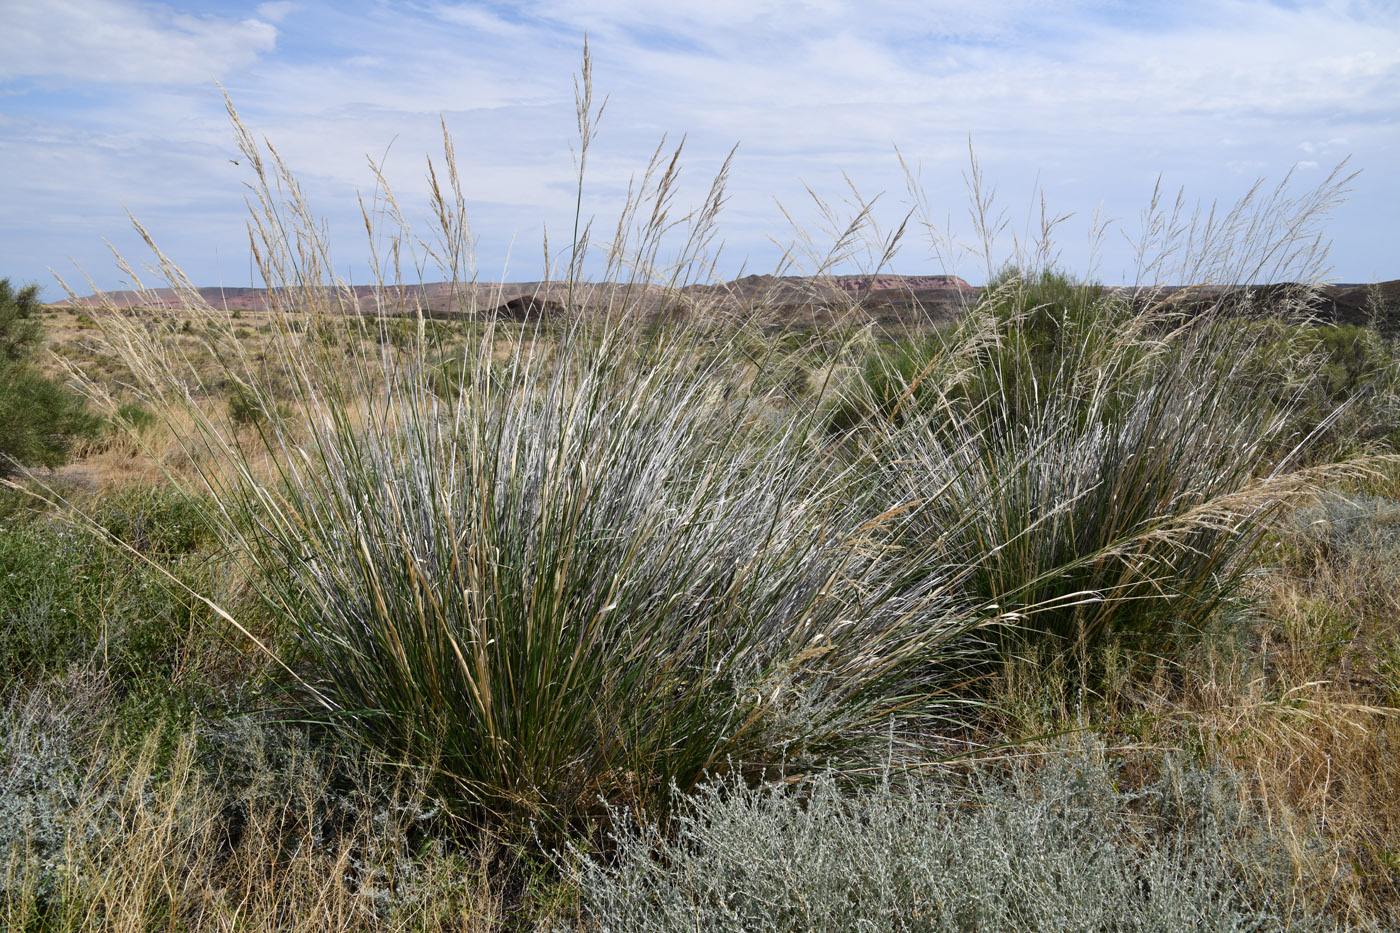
<point>1325,146</point>
<point>85,41</point>
<point>479,20</point>
<point>276,11</point>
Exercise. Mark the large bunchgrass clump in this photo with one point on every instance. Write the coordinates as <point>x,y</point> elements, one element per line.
<point>602,575</point>
<point>589,561</point>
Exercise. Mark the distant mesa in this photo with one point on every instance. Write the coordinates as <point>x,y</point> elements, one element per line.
<point>751,285</point>
<point>525,300</point>
<point>783,300</point>
<point>880,283</point>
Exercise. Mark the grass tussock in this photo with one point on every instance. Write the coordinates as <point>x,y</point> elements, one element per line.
<point>600,568</point>
<point>1136,457</point>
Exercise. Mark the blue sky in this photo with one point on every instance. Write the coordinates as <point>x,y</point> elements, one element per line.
<point>110,105</point>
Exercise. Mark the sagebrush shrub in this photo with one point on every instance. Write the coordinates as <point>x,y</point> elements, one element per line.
<point>239,820</point>
<point>1061,847</point>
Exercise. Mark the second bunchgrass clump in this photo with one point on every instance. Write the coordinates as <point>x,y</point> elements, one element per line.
<point>1103,467</point>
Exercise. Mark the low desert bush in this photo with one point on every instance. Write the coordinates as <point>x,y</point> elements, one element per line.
<point>135,417</point>
<point>154,520</point>
<point>1344,596</point>
<point>1342,381</point>
<point>68,598</point>
<point>40,420</point>
<point>1062,846</point>
<point>1028,326</point>
<point>246,407</point>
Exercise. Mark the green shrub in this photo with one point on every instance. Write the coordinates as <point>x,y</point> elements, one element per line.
<point>1342,378</point>
<point>39,419</point>
<point>67,598</point>
<point>895,380</point>
<point>21,331</point>
<point>251,406</point>
<point>1049,331</point>
<point>154,520</point>
<point>1029,328</point>
<point>1062,847</point>
<point>135,417</point>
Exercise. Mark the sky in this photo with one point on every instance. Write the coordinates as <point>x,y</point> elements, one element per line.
<point>115,107</point>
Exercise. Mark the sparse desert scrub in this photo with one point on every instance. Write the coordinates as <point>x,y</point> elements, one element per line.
<point>67,599</point>
<point>238,826</point>
<point>1343,380</point>
<point>1330,649</point>
<point>1289,689</point>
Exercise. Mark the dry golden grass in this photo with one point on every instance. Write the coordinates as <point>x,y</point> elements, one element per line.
<point>153,840</point>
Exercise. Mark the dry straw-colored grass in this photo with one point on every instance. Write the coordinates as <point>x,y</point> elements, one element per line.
<point>152,837</point>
